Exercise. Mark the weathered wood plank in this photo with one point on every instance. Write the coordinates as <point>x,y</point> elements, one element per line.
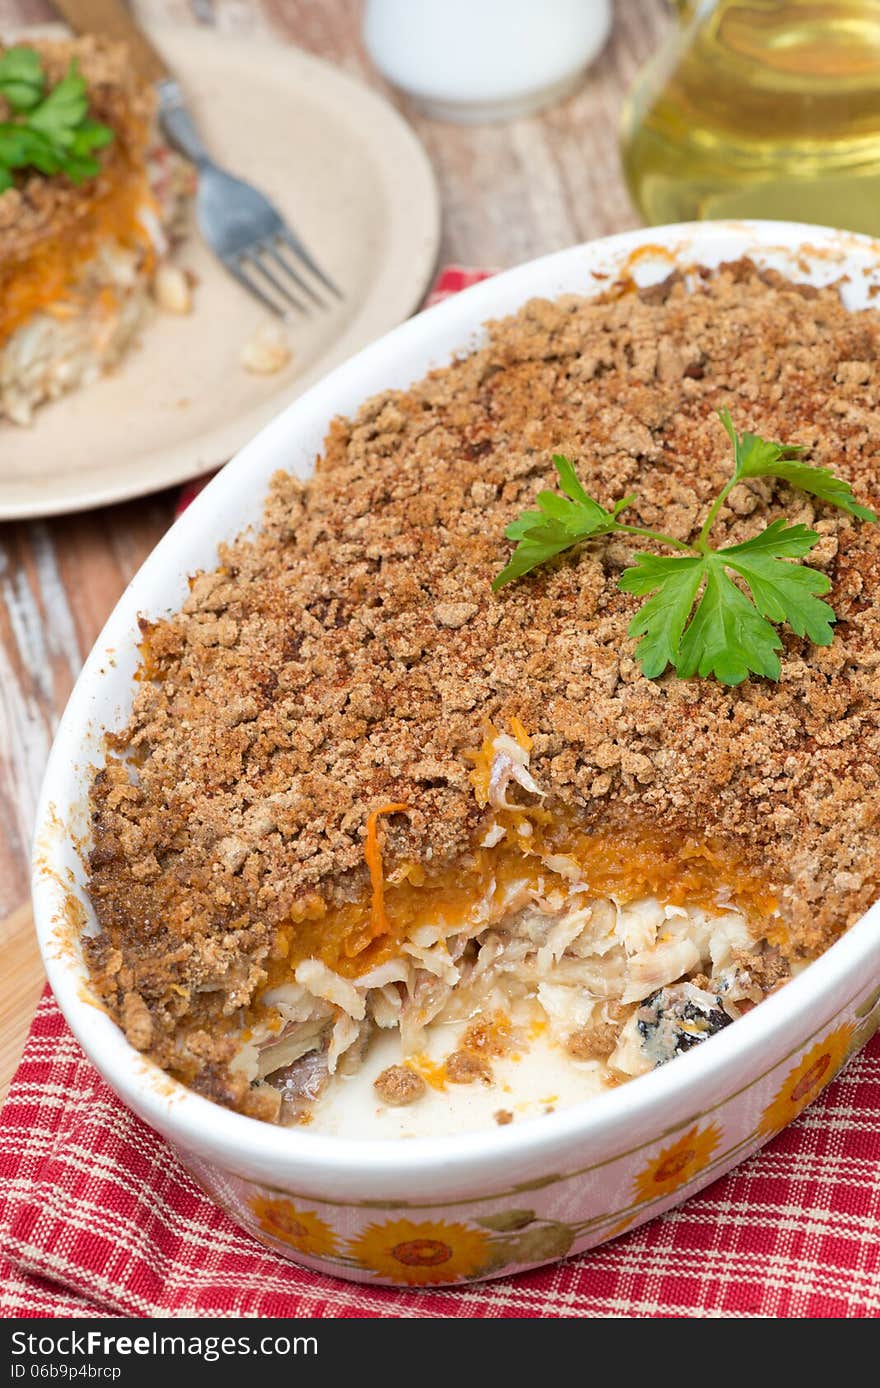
<point>21,963</point>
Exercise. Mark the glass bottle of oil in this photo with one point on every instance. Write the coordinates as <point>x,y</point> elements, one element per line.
<point>760,108</point>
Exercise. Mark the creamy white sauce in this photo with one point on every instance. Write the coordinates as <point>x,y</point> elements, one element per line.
<point>535,1077</point>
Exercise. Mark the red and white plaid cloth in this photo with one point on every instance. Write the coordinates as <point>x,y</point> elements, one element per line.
<point>98,1218</point>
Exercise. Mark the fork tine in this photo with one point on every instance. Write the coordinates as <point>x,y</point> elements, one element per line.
<point>297,246</point>
<point>253,256</point>
<point>234,268</point>
<point>275,252</point>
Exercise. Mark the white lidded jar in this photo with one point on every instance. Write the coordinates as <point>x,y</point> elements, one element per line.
<point>485,60</point>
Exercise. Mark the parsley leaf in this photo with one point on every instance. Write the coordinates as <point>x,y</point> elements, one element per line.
<point>21,78</point>
<point>780,591</point>
<point>559,523</point>
<point>58,116</point>
<point>728,636</point>
<point>661,621</point>
<point>48,132</point>
<point>757,457</point>
<point>697,618</point>
<point>20,146</point>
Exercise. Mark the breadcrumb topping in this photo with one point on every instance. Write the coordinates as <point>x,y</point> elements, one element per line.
<point>352,654</point>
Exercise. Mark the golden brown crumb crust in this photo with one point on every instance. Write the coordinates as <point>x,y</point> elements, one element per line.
<point>350,655</point>
<point>398,1085</point>
<point>39,208</point>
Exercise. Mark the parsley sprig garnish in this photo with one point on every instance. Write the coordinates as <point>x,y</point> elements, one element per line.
<point>48,130</point>
<point>696,618</point>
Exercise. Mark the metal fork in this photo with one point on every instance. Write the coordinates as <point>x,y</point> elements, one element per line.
<point>240,225</point>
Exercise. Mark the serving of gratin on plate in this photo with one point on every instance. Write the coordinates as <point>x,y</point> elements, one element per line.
<point>130,358</point>
<point>516,762</point>
<point>91,203</point>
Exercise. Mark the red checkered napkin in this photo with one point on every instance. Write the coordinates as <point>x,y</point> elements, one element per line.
<point>97,1217</point>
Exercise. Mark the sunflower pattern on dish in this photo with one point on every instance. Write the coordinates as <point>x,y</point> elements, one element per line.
<point>422,1254</point>
<point>302,1229</point>
<point>677,1164</point>
<point>807,1080</point>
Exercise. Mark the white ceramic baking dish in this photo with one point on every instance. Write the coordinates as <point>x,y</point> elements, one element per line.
<point>452,1208</point>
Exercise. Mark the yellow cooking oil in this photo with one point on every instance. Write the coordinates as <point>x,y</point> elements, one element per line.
<point>765,108</point>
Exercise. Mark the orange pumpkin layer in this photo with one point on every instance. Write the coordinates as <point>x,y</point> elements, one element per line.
<point>625,866</point>
<point>47,278</point>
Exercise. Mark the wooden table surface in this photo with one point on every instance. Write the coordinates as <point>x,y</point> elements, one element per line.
<point>509,192</point>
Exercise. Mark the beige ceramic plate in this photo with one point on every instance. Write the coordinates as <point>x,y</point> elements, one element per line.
<point>354,181</point>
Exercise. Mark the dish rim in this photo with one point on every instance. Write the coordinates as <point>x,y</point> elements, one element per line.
<point>205,1127</point>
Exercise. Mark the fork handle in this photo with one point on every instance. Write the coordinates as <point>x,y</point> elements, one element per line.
<point>112,18</point>
<point>178,126</point>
